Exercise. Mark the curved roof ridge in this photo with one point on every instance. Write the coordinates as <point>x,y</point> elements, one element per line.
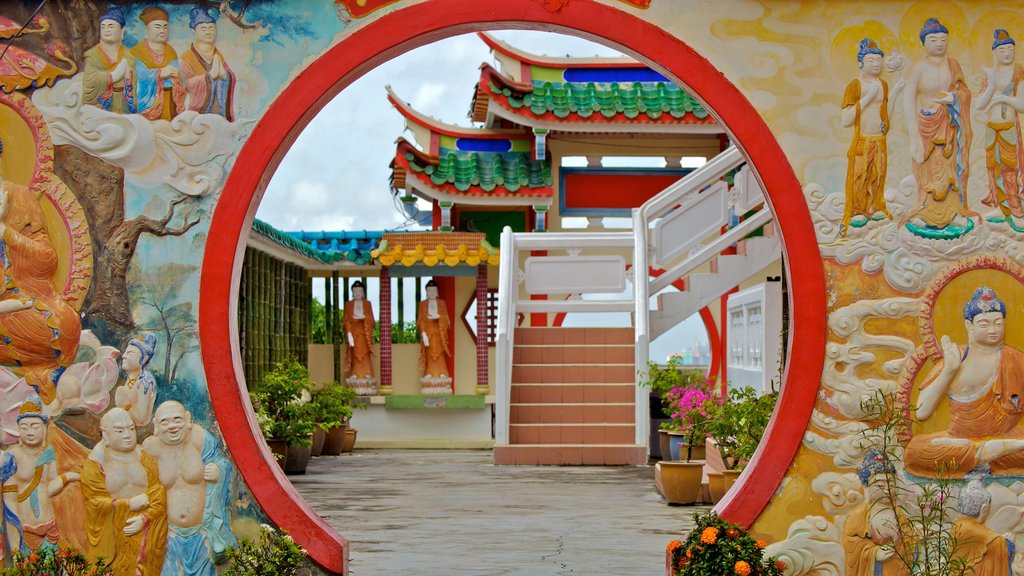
<point>557,61</point>
<point>410,113</point>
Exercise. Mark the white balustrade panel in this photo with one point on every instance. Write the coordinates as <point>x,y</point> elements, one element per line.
<point>575,274</point>
<point>696,219</point>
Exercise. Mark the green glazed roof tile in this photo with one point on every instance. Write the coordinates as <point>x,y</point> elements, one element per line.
<point>631,99</point>
<point>488,170</point>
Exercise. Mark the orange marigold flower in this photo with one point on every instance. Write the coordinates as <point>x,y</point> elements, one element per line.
<point>760,544</point>
<point>742,568</point>
<point>709,535</point>
<point>673,546</point>
<point>780,564</point>
<point>689,553</point>
<point>732,532</point>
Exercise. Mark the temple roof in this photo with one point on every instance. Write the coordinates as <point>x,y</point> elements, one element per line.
<point>611,94</point>
<point>351,246</point>
<point>288,241</point>
<point>434,248</point>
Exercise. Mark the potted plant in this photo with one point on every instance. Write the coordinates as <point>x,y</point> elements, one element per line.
<point>283,401</point>
<point>736,427</point>
<point>716,546</point>
<point>273,554</point>
<point>332,408</point>
<point>63,562</point>
<point>690,408</point>
<point>662,380</point>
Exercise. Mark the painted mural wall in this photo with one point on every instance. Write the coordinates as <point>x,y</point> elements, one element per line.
<point>120,123</point>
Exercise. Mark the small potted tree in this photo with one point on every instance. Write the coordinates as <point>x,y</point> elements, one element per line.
<point>282,404</point>
<point>667,384</point>
<point>332,408</point>
<point>736,427</point>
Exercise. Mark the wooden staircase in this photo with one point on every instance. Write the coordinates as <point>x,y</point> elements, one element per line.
<point>572,398</point>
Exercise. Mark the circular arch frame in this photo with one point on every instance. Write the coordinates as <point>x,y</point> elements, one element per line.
<point>426,22</point>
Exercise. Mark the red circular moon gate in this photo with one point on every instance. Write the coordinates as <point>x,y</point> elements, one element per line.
<point>421,24</point>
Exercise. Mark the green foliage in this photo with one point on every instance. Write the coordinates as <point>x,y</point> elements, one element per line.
<point>738,424</point>
<point>331,405</point>
<point>318,324</point>
<point>281,403</point>
<point>922,515</point>
<point>273,554</point>
<point>674,374</point>
<point>63,562</point>
<point>720,548</point>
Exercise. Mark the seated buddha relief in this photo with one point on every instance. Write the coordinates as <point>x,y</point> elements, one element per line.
<point>969,405</point>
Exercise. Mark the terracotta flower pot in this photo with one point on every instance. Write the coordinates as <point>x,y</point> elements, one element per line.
<point>716,485</point>
<point>729,478</point>
<point>280,450</point>
<point>334,440</point>
<point>678,448</point>
<point>318,441</point>
<point>679,482</point>
<point>297,459</point>
<point>664,448</point>
<point>350,439</point>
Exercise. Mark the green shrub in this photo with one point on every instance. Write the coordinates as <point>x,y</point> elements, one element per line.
<point>273,554</point>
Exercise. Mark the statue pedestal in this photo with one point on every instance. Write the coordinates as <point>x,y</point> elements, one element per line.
<point>436,385</point>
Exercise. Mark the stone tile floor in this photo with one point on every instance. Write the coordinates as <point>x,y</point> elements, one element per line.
<point>453,513</point>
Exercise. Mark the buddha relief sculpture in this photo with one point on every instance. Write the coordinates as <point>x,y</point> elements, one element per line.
<point>40,330</point>
<point>1004,152</point>
<point>867,107</point>
<point>160,91</point>
<point>937,106</point>
<point>36,481</point>
<point>138,393</point>
<point>358,323</point>
<point>197,480</point>
<point>432,321</point>
<point>109,81</point>
<point>983,382</point>
<point>125,503</point>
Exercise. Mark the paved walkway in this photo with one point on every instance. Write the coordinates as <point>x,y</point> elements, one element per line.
<point>453,513</point>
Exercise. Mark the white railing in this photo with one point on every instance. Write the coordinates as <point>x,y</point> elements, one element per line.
<point>664,211</point>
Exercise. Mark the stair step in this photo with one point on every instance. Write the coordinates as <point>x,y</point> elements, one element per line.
<point>591,354</point>
<point>571,374</point>
<point>574,336</point>
<point>597,433</point>
<point>568,393</point>
<point>571,413</point>
<point>570,455</point>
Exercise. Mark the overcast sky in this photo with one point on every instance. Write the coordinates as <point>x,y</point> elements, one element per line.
<point>335,176</point>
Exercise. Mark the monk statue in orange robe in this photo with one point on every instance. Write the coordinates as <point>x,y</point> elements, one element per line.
<point>359,324</point>
<point>984,383</point>
<point>871,533</point>
<point>160,93</point>
<point>985,550</point>
<point>937,106</point>
<point>125,503</point>
<point>39,330</point>
<point>432,322</point>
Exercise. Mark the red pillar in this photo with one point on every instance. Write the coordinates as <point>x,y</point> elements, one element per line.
<point>385,330</point>
<point>482,337</point>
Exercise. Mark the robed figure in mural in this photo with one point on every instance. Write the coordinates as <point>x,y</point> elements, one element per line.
<point>938,103</point>
<point>138,393</point>
<point>359,324</point>
<point>989,552</point>
<point>126,505</point>
<point>197,480</point>
<point>36,480</point>
<point>40,329</point>
<point>984,384</point>
<point>432,322</point>
<point>871,533</point>
<point>1004,153</point>
<point>867,107</point>
<point>160,92</point>
<point>109,80</point>
<point>209,81</point>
